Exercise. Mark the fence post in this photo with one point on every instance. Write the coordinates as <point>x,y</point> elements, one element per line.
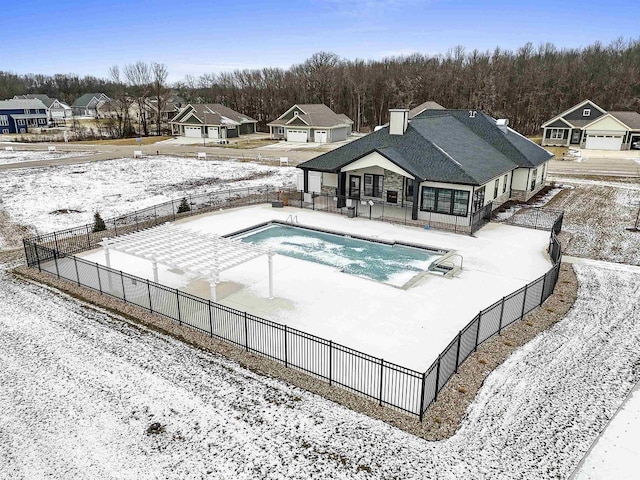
<point>178,302</point>
<point>524,300</point>
<point>173,209</point>
<point>35,248</point>
<point>155,215</point>
<point>124,296</point>
<point>501,313</point>
<point>544,284</point>
<point>210,319</point>
<point>435,396</point>
<point>99,281</point>
<point>286,360</point>
<point>246,333</point>
<point>55,260</point>
<point>88,238</point>
<point>458,351</point>
<point>55,239</point>
<point>115,227</point>
<point>381,377</point>
<point>136,219</point>
<point>149,292</point>
<point>75,262</point>
<point>475,349</point>
<point>330,361</point>
<point>422,388</point>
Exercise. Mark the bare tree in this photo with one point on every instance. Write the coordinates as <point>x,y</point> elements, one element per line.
<point>138,76</point>
<point>159,73</point>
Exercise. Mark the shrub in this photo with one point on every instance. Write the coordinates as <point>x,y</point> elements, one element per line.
<point>98,223</point>
<point>184,206</point>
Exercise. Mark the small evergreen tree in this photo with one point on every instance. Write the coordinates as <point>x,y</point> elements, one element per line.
<point>184,206</point>
<point>98,223</point>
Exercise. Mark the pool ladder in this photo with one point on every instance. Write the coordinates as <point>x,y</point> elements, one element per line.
<point>292,220</point>
<point>447,266</point>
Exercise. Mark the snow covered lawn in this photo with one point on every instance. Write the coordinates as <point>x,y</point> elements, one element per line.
<point>408,327</point>
<point>31,196</point>
<point>597,215</point>
<point>80,388</point>
<point>19,156</point>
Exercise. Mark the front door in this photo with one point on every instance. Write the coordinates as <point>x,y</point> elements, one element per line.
<point>354,186</point>
<point>575,136</point>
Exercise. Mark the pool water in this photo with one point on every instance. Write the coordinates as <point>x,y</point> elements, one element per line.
<point>392,264</point>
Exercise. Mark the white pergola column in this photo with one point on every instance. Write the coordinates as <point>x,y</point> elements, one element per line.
<point>106,252</point>
<point>270,256</point>
<point>154,266</point>
<point>213,282</point>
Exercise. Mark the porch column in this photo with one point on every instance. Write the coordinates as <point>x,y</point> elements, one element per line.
<point>416,198</point>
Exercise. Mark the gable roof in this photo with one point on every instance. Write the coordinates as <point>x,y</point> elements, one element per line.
<point>213,114</point>
<point>428,105</point>
<point>574,123</point>
<point>22,104</point>
<point>85,99</point>
<point>315,115</point>
<point>630,119</point>
<point>443,146</point>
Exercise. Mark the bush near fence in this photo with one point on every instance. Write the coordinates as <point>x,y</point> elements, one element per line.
<point>387,383</point>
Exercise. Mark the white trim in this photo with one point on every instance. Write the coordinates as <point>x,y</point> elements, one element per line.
<point>294,106</point>
<point>605,116</point>
<point>575,107</point>
<point>299,118</point>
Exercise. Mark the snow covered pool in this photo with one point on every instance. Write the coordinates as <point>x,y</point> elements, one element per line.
<point>385,262</point>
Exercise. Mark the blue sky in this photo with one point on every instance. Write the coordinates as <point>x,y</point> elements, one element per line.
<point>196,36</point>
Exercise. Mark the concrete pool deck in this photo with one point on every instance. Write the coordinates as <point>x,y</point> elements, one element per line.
<point>408,327</point>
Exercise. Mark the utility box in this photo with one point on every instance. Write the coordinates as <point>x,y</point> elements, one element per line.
<point>351,212</point>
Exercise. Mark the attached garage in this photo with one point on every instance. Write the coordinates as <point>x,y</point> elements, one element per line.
<point>297,136</point>
<point>604,142</point>
<point>194,132</point>
<point>320,136</point>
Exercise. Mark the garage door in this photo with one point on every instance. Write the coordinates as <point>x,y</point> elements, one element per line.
<point>604,142</point>
<point>320,136</point>
<point>192,132</point>
<point>296,135</point>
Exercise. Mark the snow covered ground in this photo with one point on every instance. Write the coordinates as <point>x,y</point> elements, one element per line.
<point>80,388</point>
<point>31,196</point>
<point>408,327</point>
<point>19,156</point>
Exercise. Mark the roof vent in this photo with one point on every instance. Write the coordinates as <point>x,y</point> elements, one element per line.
<point>398,120</point>
<point>502,124</point>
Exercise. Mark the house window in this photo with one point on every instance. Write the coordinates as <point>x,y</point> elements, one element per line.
<point>373,185</point>
<point>408,189</point>
<point>504,184</point>
<point>4,120</point>
<point>445,200</point>
<point>41,121</point>
<point>557,133</point>
<point>295,113</point>
<point>478,199</point>
<point>586,112</point>
<point>495,188</point>
<point>21,121</point>
<point>533,178</point>
<point>5,130</point>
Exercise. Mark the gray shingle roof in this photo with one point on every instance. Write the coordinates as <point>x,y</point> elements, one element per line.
<point>217,114</point>
<point>428,105</point>
<point>22,104</point>
<point>318,115</point>
<point>630,119</point>
<point>442,146</point>
<point>85,99</point>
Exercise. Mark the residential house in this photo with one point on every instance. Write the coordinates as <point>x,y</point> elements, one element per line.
<point>311,123</point>
<point>21,115</point>
<point>211,121</point>
<point>57,112</point>
<point>87,105</point>
<point>447,168</point>
<point>586,125</point>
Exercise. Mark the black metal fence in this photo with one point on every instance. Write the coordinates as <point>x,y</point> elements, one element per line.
<point>540,218</point>
<point>374,209</point>
<point>385,382</point>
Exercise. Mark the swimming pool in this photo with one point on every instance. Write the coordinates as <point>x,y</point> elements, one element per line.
<point>390,263</point>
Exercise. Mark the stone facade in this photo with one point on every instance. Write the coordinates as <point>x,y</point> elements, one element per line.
<point>524,195</point>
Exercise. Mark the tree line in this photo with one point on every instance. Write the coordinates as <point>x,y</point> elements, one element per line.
<point>528,85</point>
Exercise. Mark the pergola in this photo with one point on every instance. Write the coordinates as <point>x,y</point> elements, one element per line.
<point>201,254</point>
